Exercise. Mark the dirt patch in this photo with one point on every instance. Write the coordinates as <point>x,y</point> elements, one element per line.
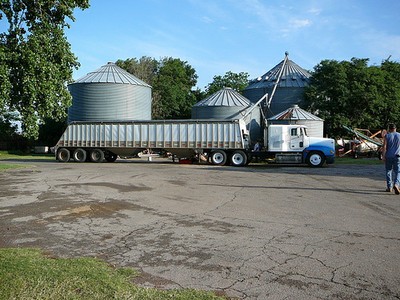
<point>90,210</point>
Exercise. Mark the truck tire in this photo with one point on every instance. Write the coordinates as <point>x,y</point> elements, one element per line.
<point>111,157</point>
<point>315,159</point>
<point>97,155</point>
<point>239,158</point>
<point>63,155</point>
<point>79,155</point>
<point>218,157</point>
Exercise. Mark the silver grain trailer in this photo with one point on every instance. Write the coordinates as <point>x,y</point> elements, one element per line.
<point>220,140</point>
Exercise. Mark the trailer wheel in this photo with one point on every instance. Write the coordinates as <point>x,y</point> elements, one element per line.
<point>218,157</point>
<point>239,158</point>
<point>79,155</point>
<point>63,155</point>
<point>111,157</point>
<point>97,155</point>
<point>315,159</point>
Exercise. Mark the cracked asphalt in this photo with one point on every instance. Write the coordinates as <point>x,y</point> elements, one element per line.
<point>258,232</point>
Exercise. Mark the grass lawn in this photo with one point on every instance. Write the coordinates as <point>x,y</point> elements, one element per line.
<point>8,166</point>
<point>21,155</point>
<point>17,155</point>
<point>28,274</point>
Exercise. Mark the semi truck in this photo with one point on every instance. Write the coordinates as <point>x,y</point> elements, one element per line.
<point>220,142</point>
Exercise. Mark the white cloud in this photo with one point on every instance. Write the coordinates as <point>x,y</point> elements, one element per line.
<point>207,20</point>
<point>314,11</point>
<point>381,45</point>
<point>300,23</point>
<point>274,18</point>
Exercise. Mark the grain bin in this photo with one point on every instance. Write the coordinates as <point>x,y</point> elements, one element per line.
<point>296,115</point>
<point>109,94</point>
<point>290,89</point>
<point>228,104</point>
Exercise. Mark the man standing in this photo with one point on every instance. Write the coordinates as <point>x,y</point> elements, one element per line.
<point>391,156</point>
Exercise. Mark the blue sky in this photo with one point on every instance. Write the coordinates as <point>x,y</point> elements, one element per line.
<point>217,36</point>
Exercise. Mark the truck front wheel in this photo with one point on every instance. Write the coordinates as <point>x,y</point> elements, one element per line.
<point>63,155</point>
<point>97,155</point>
<point>238,158</point>
<point>315,159</point>
<point>218,157</point>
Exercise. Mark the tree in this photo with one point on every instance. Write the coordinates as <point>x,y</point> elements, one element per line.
<point>236,81</point>
<point>390,92</point>
<point>172,81</point>
<point>173,85</point>
<point>146,68</point>
<point>36,60</point>
<point>354,94</point>
<point>8,125</point>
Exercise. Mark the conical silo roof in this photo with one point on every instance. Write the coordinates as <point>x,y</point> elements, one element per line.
<point>295,113</point>
<point>111,73</point>
<point>228,104</point>
<point>292,76</point>
<point>225,97</point>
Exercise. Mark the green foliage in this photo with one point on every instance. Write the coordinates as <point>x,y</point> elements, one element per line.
<point>36,60</point>
<point>354,94</point>
<point>172,81</point>
<point>173,89</point>
<point>5,84</point>
<point>236,81</point>
<point>145,68</point>
<point>27,274</point>
<point>8,127</point>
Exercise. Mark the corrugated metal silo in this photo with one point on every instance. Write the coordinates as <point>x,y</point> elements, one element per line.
<point>228,104</point>
<point>289,91</point>
<point>109,94</point>
<point>296,115</point>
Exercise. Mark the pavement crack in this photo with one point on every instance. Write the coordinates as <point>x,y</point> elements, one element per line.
<point>232,199</point>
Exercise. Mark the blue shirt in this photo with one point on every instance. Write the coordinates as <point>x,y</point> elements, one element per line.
<point>392,144</point>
